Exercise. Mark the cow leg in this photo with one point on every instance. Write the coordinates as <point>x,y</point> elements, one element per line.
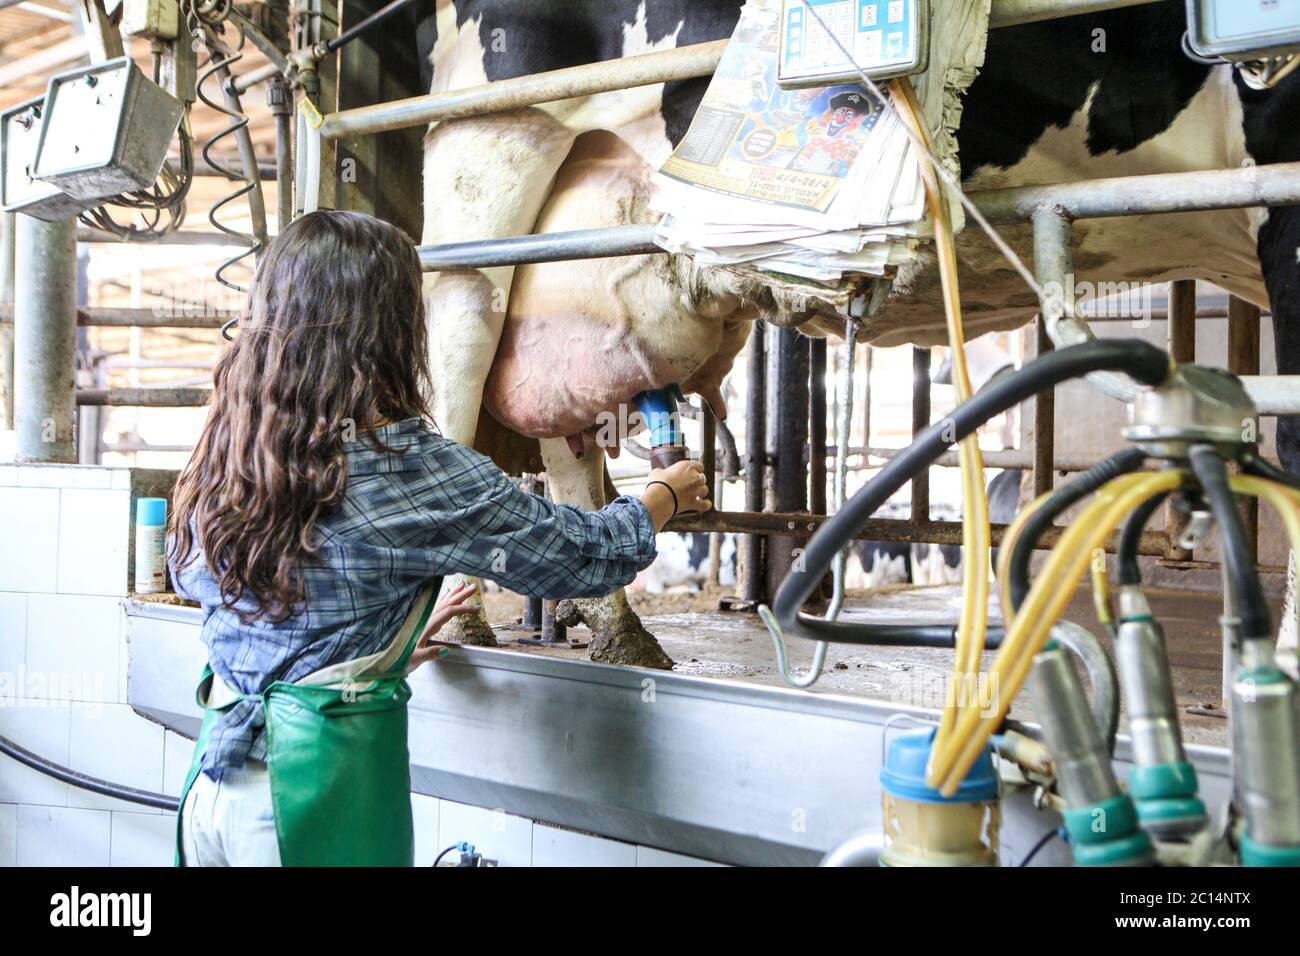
<point>617,634</point>
<point>1279,253</point>
<point>485,178</point>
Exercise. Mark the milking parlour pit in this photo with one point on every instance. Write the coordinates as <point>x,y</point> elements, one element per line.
<point>797,433</point>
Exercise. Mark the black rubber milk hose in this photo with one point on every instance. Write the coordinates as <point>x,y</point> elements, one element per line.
<point>1140,360</point>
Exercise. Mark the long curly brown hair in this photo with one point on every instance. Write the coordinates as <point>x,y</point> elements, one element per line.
<point>333,343</point>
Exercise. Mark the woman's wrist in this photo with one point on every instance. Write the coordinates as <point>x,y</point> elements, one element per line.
<point>658,501</point>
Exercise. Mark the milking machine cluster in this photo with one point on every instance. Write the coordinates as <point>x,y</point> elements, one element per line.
<point>1194,435</point>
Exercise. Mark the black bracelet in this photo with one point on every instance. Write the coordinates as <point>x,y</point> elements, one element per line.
<point>676,506</point>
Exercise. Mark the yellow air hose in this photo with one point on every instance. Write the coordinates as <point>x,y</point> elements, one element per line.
<point>975,521</point>
<point>1028,632</point>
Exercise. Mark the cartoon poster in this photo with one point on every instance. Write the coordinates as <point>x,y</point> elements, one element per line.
<point>752,139</point>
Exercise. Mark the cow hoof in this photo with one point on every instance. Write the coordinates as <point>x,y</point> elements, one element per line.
<point>471,629</point>
<point>632,646</point>
<point>617,636</point>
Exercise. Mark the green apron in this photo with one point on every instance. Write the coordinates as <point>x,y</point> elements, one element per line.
<point>339,766</point>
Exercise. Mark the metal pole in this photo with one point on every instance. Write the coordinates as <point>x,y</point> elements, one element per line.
<point>755,456</point>
<point>802,523</point>
<point>280,100</point>
<point>1180,340</point>
<point>45,325</point>
<point>788,418</point>
<point>1054,270</point>
<point>605,76</point>
<point>1044,447</point>
<point>817,428</point>
<point>162,397</point>
<point>1243,359</point>
<point>522,91</point>
<point>1271,185</point>
<point>7,229</point>
<point>1276,184</point>
<point>920,422</point>
<point>1006,13</point>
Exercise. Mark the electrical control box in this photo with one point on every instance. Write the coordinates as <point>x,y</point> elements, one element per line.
<point>153,19</point>
<point>1241,30</point>
<point>883,38</point>
<point>20,132</point>
<point>107,128</point>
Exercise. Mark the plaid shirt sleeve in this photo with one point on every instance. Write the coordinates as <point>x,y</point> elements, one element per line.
<point>528,544</point>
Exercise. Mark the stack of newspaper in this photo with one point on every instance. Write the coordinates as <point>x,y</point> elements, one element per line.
<point>812,182</point>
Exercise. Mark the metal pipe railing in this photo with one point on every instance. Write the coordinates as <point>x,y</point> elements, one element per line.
<point>162,397</point>
<point>605,76</point>
<point>133,318</point>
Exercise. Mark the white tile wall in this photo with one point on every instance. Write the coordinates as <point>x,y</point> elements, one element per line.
<point>13,640</point>
<point>497,835</point>
<point>178,753</point>
<point>63,836</point>
<point>142,839</point>
<point>424,810</point>
<point>555,847</point>
<point>112,742</point>
<point>66,476</point>
<point>75,641</point>
<point>29,561</point>
<point>94,529</point>
<point>43,728</point>
<point>8,834</point>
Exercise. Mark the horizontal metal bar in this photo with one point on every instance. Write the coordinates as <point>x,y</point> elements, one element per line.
<point>877,529</point>
<point>662,66</point>
<point>180,238</point>
<point>604,76</point>
<point>246,81</point>
<point>1276,184</point>
<point>545,247</point>
<point>1272,185</point>
<point>145,397</point>
<point>1009,13</point>
<point>145,318</point>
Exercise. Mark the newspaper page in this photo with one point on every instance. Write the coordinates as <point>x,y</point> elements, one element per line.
<point>813,182</point>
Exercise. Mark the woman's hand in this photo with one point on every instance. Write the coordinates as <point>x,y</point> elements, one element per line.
<point>452,604</point>
<point>686,479</point>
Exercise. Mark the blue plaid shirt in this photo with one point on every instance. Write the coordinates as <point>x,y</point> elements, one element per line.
<point>427,508</point>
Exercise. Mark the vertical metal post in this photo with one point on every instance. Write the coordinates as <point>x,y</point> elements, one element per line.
<point>531,618</point>
<point>708,444</point>
<point>1054,269</point>
<point>45,328</point>
<point>1180,339</point>
<point>755,456</point>
<point>552,631</point>
<point>709,460</point>
<point>817,428</point>
<point>1243,359</point>
<point>1044,420</point>
<point>280,99</point>
<point>920,422</point>
<point>788,409</point>
<point>866,396</point>
<point>8,226</point>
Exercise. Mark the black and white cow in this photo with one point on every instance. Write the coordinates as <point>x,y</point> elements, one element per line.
<point>545,348</point>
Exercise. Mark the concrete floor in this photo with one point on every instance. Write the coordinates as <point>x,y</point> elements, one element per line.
<point>735,646</point>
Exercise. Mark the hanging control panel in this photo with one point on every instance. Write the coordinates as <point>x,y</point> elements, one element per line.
<point>829,41</point>
<point>1241,30</point>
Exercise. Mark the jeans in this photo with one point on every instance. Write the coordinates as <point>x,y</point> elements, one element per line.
<point>230,822</point>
